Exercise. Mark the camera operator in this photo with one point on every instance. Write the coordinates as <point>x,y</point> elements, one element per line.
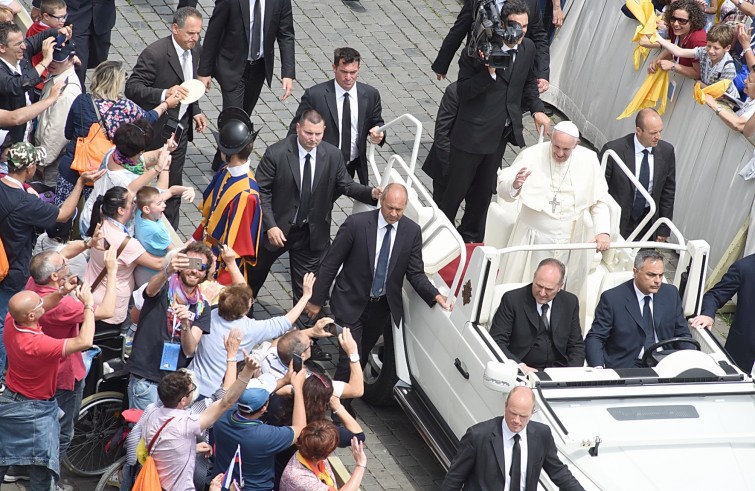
<point>462,28</point>
<point>489,116</point>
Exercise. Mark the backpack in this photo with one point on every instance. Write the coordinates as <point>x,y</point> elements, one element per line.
<point>148,479</point>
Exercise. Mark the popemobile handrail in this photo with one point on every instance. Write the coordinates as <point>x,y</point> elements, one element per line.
<point>415,147</point>
<point>637,185</point>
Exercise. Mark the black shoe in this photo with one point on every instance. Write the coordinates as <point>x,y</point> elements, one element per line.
<point>318,354</point>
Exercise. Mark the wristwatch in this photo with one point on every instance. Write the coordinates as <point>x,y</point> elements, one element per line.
<point>354,358</point>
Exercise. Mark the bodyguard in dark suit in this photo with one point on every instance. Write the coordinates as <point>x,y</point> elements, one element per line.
<point>364,111</point>
<point>437,162</point>
<point>538,324</point>
<point>489,116</point>
<point>657,169</point>
<point>377,250</point>
<point>739,280</point>
<point>93,22</point>
<point>160,70</point>
<point>298,177</point>
<point>16,84</point>
<point>492,452</point>
<point>238,49</point>
<point>460,31</point>
<point>634,315</point>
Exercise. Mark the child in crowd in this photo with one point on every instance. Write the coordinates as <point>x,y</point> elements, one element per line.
<point>53,15</point>
<point>149,228</point>
<point>715,61</point>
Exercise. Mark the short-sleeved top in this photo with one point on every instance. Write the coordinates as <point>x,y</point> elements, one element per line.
<point>31,353</point>
<point>694,39</point>
<point>124,277</point>
<point>723,70</point>
<point>153,235</point>
<point>174,450</point>
<point>210,360</point>
<point>259,444</point>
<point>153,331</point>
<point>296,477</point>
<point>112,178</point>
<point>20,213</point>
<point>62,322</point>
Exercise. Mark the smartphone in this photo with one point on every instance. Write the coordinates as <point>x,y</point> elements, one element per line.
<point>334,329</point>
<point>170,127</point>
<point>106,244</point>
<point>60,39</point>
<point>196,263</point>
<point>297,362</point>
<point>179,133</point>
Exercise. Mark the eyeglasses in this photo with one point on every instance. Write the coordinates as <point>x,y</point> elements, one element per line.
<point>190,394</point>
<point>39,306</point>
<point>59,17</point>
<point>682,22</point>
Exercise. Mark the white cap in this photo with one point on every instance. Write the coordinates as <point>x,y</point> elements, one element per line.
<point>567,127</point>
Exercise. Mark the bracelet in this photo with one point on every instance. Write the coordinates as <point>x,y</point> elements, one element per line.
<point>246,382</point>
<point>165,269</point>
<point>89,307</point>
<point>88,243</point>
<point>362,466</point>
<point>43,65</point>
<point>746,50</point>
<point>231,360</point>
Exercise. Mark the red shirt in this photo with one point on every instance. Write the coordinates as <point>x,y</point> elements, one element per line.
<point>32,360</point>
<point>36,28</point>
<point>694,39</point>
<point>62,322</point>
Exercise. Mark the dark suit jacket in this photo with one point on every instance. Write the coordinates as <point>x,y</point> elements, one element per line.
<point>158,68</point>
<point>664,180</point>
<point>322,98</point>
<point>460,31</point>
<point>480,119</point>
<point>14,86</point>
<point>616,336</point>
<point>479,463</point>
<point>354,248</point>
<point>437,162</point>
<point>740,280</point>
<point>516,323</point>
<point>279,179</point>
<point>226,43</point>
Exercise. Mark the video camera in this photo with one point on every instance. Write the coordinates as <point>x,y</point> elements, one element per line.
<point>488,36</point>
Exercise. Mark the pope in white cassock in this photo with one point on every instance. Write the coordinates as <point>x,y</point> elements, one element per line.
<point>562,195</point>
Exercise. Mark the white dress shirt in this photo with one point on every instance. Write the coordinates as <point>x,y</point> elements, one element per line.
<point>354,107</point>
<point>302,159</point>
<point>262,28</point>
<point>508,450</point>
<point>641,302</point>
<point>380,235</point>
<point>17,69</point>
<point>540,309</point>
<point>638,148</point>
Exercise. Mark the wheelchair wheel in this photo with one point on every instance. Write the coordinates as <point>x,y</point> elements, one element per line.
<point>111,479</point>
<point>99,419</point>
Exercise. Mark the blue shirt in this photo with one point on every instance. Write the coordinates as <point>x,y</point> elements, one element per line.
<point>153,236</point>
<point>259,444</point>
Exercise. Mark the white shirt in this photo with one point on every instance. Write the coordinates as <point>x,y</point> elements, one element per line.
<point>239,170</point>
<point>641,302</point>
<point>354,108</point>
<point>540,309</point>
<point>508,450</point>
<point>638,155</point>
<point>262,27</point>
<point>381,229</point>
<point>17,69</point>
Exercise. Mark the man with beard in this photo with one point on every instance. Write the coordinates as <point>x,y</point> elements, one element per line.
<point>174,317</point>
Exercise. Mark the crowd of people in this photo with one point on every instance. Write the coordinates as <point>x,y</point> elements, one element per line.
<point>91,188</point>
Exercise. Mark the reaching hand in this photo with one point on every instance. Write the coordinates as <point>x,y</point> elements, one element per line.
<point>85,294</point>
<point>228,255</point>
<point>110,259</point>
<point>312,310</point>
<point>188,195</point>
<point>91,176</point>
<point>347,342</point>
<point>232,342</point>
<point>307,285</point>
<point>357,450</point>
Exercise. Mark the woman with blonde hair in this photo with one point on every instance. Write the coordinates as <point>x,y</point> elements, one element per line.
<point>106,104</point>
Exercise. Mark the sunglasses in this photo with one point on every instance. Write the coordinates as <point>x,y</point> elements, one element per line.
<point>679,20</point>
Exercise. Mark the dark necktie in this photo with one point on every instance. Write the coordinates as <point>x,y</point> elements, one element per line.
<point>515,473</point>
<point>647,318</point>
<point>381,270</point>
<point>256,31</point>
<point>346,129</point>
<point>306,191</point>
<point>638,208</point>
<point>544,317</point>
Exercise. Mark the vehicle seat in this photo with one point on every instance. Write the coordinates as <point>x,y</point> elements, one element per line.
<point>500,223</point>
<point>487,314</point>
<point>610,280</point>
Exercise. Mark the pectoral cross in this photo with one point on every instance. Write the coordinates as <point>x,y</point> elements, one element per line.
<point>554,203</point>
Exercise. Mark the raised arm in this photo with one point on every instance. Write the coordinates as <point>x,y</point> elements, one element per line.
<point>675,50</point>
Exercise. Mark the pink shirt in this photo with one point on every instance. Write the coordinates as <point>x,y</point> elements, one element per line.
<point>175,449</point>
<point>62,322</point>
<point>125,276</point>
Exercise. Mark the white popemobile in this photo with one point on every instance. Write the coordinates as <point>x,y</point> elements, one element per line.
<point>686,423</point>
